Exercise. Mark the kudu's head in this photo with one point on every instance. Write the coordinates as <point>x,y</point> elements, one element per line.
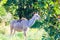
<point>36,16</point>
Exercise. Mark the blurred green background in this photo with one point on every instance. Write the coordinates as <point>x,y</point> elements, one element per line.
<point>48,28</point>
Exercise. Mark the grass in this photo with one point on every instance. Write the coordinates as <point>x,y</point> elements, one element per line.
<point>33,34</point>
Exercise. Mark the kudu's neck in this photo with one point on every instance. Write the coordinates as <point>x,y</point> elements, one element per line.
<point>31,21</point>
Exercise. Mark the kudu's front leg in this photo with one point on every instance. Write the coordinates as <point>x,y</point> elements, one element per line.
<point>25,33</point>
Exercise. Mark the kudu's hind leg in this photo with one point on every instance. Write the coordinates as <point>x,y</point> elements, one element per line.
<point>11,30</point>
<point>25,33</point>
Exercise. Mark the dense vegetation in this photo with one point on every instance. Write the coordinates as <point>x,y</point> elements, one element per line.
<point>48,10</point>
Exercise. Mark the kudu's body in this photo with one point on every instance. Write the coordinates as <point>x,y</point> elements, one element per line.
<point>24,24</point>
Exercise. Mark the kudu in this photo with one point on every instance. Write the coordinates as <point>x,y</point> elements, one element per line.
<point>24,24</point>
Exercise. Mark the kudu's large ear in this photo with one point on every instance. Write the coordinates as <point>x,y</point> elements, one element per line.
<point>34,12</point>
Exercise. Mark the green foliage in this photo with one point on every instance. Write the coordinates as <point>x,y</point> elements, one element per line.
<point>11,7</point>
<point>2,11</point>
<point>26,7</point>
<point>2,2</point>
